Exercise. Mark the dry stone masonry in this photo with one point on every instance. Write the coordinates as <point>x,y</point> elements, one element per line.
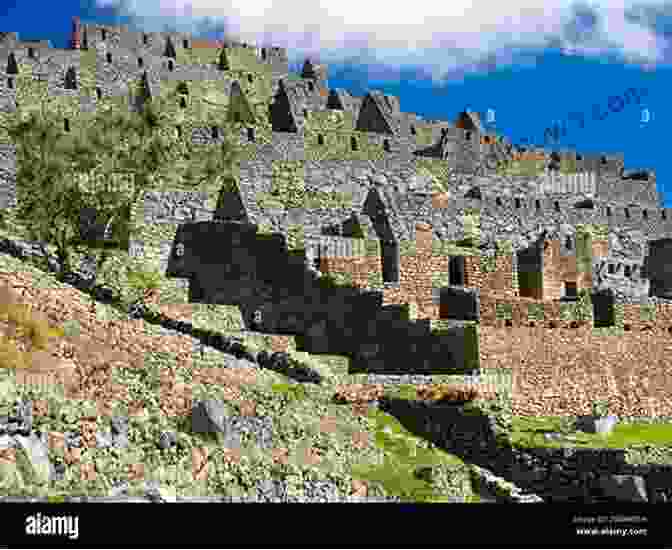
<point>414,246</point>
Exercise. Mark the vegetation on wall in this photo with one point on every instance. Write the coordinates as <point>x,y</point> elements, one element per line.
<point>580,310</point>
<point>407,248</point>
<point>584,250</point>
<point>503,247</point>
<point>568,165</point>
<point>488,263</point>
<point>521,167</point>
<point>295,237</point>
<point>472,359</point>
<point>288,187</point>
<point>335,280</point>
<point>104,165</point>
<point>503,311</point>
<point>648,312</point>
<point>535,312</point>
<point>472,227</point>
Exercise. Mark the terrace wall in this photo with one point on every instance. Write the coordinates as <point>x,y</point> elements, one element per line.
<point>563,371</point>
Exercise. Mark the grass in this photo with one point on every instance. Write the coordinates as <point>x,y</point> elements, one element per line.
<point>529,432</point>
<point>404,456</point>
<point>394,462</point>
<point>389,461</point>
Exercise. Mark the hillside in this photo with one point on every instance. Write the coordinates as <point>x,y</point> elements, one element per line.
<point>118,372</point>
<point>365,305</point>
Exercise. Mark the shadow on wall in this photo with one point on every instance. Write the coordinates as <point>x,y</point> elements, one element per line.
<point>658,268</point>
<point>230,263</point>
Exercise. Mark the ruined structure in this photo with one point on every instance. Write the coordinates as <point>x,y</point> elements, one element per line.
<point>436,227</point>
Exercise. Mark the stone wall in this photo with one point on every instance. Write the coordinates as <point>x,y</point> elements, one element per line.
<point>504,311</point>
<point>555,475</point>
<point>562,371</point>
<point>560,266</point>
<point>647,316</point>
<point>325,167</point>
<point>398,346</point>
<point>497,273</point>
<point>418,267</point>
<point>502,217</point>
<point>599,248</point>
<point>510,207</point>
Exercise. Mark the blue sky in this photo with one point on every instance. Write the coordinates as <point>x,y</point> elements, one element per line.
<point>532,66</point>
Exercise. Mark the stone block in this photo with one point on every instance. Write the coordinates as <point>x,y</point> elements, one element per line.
<point>594,425</point>
<point>623,488</point>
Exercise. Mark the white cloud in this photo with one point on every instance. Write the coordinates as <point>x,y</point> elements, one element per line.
<point>438,37</point>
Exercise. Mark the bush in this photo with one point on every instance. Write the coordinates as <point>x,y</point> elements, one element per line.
<point>334,280</point>
<point>358,393</point>
<point>71,328</point>
<point>447,393</point>
<point>142,282</point>
<point>10,356</point>
<point>21,318</point>
<point>37,330</point>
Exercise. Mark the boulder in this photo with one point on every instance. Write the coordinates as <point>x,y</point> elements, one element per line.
<point>103,440</point>
<point>209,416</point>
<point>119,431</point>
<point>212,416</point>
<point>270,490</point>
<point>21,420</point>
<point>33,459</point>
<point>167,440</point>
<point>596,424</point>
<point>260,430</point>
<point>623,488</point>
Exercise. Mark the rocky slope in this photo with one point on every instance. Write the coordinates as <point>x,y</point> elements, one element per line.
<point>126,409</point>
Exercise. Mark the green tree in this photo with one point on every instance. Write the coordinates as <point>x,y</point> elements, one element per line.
<point>48,195</point>
<point>105,164</point>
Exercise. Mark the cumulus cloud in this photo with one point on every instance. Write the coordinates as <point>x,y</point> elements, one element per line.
<point>436,38</point>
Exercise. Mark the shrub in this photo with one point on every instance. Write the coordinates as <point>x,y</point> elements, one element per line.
<point>600,407</point>
<point>143,279</point>
<point>38,331</point>
<point>358,393</point>
<point>488,263</point>
<point>142,282</point>
<point>293,392</point>
<point>71,328</point>
<point>10,356</point>
<point>21,318</point>
<point>447,393</point>
<point>334,280</point>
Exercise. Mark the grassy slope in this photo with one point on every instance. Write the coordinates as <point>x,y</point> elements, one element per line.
<point>386,461</point>
<point>529,432</point>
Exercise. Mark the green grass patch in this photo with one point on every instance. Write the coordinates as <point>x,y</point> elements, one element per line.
<point>529,432</point>
<point>292,391</point>
<point>406,392</point>
<point>396,464</point>
<point>403,455</point>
